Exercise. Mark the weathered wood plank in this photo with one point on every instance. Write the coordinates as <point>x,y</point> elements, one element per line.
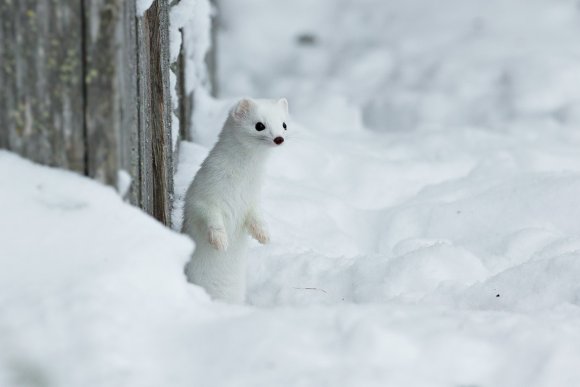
<point>144,103</point>
<point>211,57</point>
<point>102,113</point>
<point>155,111</point>
<point>41,96</point>
<point>185,98</point>
<point>111,91</point>
<point>129,134</point>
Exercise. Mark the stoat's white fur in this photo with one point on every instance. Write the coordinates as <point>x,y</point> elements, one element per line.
<point>221,204</point>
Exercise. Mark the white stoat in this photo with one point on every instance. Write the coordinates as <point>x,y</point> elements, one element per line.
<point>221,204</point>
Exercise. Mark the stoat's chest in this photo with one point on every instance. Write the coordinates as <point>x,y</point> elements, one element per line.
<point>239,192</point>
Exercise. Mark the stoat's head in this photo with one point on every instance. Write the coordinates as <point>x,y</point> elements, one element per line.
<point>262,121</point>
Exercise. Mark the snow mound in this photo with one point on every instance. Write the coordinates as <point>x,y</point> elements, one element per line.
<point>90,281</point>
<point>86,280</point>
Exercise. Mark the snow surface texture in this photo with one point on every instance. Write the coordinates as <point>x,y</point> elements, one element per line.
<point>189,31</point>
<point>427,195</point>
<point>142,6</point>
<point>92,290</point>
<point>434,158</point>
<point>424,216</point>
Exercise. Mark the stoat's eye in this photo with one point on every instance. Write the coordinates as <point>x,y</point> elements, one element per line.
<point>284,125</point>
<point>260,126</point>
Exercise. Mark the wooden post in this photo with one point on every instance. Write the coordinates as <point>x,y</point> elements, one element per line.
<point>211,58</point>
<point>155,111</point>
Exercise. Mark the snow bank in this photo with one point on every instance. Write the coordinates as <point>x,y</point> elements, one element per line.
<point>91,282</point>
<point>91,289</point>
<point>424,208</point>
<point>463,191</point>
<point>409,259</point>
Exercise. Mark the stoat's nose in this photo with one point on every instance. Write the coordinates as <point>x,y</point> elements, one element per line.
<point>279,140</point>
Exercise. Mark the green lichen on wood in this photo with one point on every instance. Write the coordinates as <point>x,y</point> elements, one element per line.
<point>8,63</point>
<point>41,69</point>
<point>31,20</point>
<point>70,68</point>
<point>17,116</point>
<point>91,75</point>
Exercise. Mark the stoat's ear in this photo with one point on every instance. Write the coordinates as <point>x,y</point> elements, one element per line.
<point>284,104</point>
<point>243,109</point>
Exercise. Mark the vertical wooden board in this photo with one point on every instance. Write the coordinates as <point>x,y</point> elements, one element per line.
<point>111,92</point>
<point>211,57</point>
<point>5,68</point>
<point>185,97</point>
<point>155,112</point>
<point>102,92</point>
<point>129,131</point>
<point>41,96</point>
<point>144,103</point>
<point>158,16</point>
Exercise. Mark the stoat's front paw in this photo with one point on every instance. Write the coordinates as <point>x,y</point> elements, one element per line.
<point>259,233</point>
<point>218,238</point>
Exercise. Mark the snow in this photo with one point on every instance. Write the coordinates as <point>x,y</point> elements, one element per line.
<point>124,181</point>
<point>78,281</point>
<point>423,210</point>
<point>192,20</point>
<point>411,65</point>
<point>142,6</point>
<point>431,173</point>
